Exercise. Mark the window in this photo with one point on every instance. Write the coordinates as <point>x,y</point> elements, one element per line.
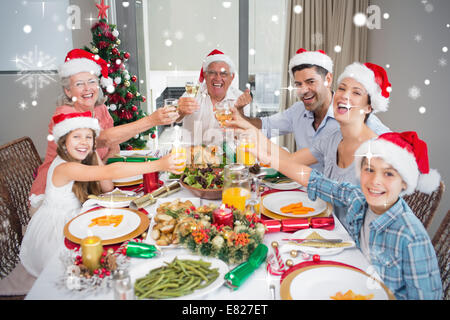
<point>178,34</point>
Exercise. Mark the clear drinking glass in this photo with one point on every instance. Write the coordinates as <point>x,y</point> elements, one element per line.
<point>191,89</point>
<point>245,142</point>
<point>236,186</point>
<point>170,102</point>
<point>223,111</point>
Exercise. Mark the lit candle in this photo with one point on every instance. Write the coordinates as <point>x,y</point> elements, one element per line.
<point>91,252</point>
<point>223,216</point>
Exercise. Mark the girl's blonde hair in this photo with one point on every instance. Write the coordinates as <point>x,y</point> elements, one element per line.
<point>81,189</point>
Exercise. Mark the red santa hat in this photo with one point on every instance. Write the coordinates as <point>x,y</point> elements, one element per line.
<point>67,122</point>
<point>407,154</point>
<point>78,60</point>
<point>375,79</point>
<point>216,56</point>
<point>317,58</point>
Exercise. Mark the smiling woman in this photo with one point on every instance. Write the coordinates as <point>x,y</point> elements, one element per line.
<point>82,74</point>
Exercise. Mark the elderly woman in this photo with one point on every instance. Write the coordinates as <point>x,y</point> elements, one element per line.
<point>81,92</point>
<point>362,89</point>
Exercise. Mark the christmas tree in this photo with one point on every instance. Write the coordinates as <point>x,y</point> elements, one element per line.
<point>123,98</point>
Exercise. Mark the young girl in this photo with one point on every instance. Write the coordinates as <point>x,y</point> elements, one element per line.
<point>383,226</point>
<point>75,173</point>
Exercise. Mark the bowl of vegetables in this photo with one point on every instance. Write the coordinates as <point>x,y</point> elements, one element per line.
<point>205,183</point>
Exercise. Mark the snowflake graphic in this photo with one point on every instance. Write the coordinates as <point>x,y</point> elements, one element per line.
<point>418,38</point>
<point>414,93</point>
<point>36,70</point>
<point>442,62</point>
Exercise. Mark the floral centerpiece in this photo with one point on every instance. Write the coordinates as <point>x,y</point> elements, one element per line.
<point>199,232</point>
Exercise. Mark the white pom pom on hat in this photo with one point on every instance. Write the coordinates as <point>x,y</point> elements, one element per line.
<point>407,154</point>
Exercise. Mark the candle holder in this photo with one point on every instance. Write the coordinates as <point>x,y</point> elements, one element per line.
<point>223,216</point>
<point>91,252</point>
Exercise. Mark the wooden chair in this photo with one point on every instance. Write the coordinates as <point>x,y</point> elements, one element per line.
<point>425,205</point>
<point>11,234</point>
<point>19,162</point>
<point>441,243</point>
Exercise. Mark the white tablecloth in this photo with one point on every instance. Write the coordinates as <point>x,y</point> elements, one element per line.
<point>256,287</point>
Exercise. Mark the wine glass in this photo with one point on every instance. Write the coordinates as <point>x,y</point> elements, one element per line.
<point>191,89</point>
<point>171,103</point>
<point>222,111</point>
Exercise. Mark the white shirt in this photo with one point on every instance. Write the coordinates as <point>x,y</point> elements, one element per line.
<point>364,236</point>
<point>202,124</point>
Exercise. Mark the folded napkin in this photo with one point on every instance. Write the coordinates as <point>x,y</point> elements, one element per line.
<point>315,236</point>
<point>109,199</point>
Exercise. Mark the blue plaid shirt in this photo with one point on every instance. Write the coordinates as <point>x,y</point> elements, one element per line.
<point>400,248</point>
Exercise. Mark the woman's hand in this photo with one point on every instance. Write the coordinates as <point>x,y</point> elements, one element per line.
<point>187,106</point>
<point>164,116</point>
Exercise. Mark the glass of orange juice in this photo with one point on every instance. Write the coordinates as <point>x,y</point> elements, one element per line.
<point>180,153</point>
<point>243,156</point>
<point>236,186</point>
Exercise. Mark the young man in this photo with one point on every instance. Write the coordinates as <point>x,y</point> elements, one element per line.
<point>312,117</point>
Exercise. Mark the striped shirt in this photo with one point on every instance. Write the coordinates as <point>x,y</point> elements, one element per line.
<point>400,249</point>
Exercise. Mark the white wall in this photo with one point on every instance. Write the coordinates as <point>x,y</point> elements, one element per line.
<point>411,63</point>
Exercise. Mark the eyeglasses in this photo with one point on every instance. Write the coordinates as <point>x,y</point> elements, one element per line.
<point>90,83</point>
<point>222,74</point>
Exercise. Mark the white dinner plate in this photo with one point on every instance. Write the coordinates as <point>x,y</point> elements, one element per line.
<point>303,234</point>
<point>144,268</point>
<point>79,227</point>
<point>320,282</point>
<point>275,201</point>
<point>152,213</point>
<point>129,181</point>
<point>283,186</point>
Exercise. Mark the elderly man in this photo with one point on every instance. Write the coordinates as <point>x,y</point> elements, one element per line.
<point>197,114</point>
<point>312,117</point>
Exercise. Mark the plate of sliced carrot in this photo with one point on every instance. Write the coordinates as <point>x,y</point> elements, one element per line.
<point>293,204</point>
<point>112,225</point>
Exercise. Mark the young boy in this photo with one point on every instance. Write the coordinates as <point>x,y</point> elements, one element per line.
<point>380,221</point>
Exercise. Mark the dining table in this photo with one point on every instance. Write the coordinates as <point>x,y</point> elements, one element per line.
<point>258,286</point>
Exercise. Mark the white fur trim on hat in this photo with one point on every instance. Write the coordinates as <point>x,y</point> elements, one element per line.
<point>64,127</point>
<point>400,159</point>
<point>219,58</point>
<point>313,58</point>
<point>75,66</point>
<point>366,77</point>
